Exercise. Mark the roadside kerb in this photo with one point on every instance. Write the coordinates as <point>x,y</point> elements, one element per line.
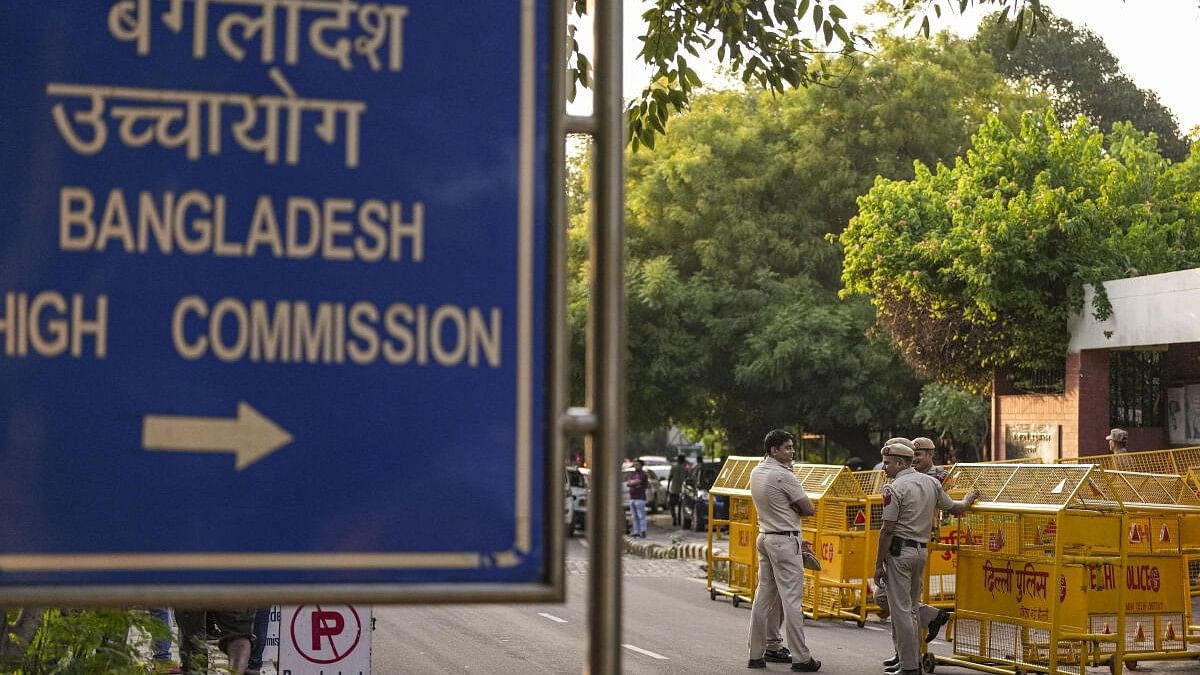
<point>680,551</point>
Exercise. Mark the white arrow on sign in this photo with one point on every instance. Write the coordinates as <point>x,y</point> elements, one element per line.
<point>250,437</point>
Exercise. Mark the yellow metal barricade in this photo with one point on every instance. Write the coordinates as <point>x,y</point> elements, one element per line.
<point>941,570</point>
<point>1170,460</point>
<point>1181,461</point>
<point>838,532</point>
<point>741,562</point>
<point>1061,567</point>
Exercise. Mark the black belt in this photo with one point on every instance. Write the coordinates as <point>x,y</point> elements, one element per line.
<point>911,542</point>
<point>786,533</point>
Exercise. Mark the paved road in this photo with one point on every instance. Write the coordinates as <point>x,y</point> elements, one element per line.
<point>670,626</point>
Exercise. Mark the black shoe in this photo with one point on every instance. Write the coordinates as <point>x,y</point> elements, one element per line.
<point>756,663</point>
<point>812,666</point>
<point>892,662</point>
<point>935,626</point>
<point>781,655</point>
<point>892,670</point>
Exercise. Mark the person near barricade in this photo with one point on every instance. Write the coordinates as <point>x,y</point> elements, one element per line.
<point>638,481</point>
<point>880,593</point>
<point>233,629</point>
<point>909,505</point>
<point>898,439</point>
<point>931,617</point>
<point>781,502</point>
<point>1117,438</point>
<point>675,489</point>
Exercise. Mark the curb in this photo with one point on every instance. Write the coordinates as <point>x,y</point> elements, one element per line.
<point>644,549</point>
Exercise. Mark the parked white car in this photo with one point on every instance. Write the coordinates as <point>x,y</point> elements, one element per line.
<point>581,504</point>
<point>658,500</point>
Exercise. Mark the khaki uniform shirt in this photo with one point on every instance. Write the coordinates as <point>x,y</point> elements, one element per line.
<point>774,488</point>
<point>911,500</point>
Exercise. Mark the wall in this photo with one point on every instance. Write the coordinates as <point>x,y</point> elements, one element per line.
<point>1081,410</point>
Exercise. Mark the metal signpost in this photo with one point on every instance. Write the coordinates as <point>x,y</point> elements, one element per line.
<point>273,294</point>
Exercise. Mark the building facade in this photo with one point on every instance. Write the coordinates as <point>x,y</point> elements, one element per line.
<point>1139,370</point>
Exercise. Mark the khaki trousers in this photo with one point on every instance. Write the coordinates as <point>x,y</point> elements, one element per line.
<point>925,613</point>
<point>780,583</point>
<point>905,573</point>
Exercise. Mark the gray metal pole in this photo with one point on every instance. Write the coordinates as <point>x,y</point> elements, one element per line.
<point>607,352</point>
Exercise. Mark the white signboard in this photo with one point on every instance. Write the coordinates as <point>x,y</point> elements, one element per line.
<point>325,640</point>
<point>1033,441</point>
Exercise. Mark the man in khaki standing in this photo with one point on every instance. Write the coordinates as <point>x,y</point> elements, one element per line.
<point>931,617</point>
<point>909,504</point>
<point>780,501</point>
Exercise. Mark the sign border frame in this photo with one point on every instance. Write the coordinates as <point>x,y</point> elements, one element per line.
<point>550,588</point>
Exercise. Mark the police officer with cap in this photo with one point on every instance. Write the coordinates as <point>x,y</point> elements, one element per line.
<point>909,504</point>
<point>1117,438</point>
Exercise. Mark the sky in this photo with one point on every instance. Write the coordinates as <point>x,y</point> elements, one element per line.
<point>1157,43</point>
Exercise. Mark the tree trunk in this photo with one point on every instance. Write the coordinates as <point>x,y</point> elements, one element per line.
<point>20,633</point>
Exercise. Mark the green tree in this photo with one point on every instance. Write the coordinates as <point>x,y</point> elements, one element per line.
<point>734,320</point>
<point>774,44</point>
<point>1073,66</point>
<point>45,641</point>
<point>958,415</point>
<point>979,266</point>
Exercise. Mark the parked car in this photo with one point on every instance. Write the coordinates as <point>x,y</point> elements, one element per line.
<point>654,460</point>
<point>581,504</point>
<point>695,496</point>
<point>576,495</point>
<point>656,496</point>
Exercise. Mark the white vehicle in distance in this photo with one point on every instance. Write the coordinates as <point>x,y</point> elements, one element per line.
<point>586,473</point>
<point>656,497</point>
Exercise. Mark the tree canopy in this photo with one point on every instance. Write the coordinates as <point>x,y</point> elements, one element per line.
<point>978,266</point>
<point>734,317</point>
<point>1073,66</point>
<point>775,44</point>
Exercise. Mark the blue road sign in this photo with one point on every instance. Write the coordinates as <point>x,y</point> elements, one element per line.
<point>271,292</point>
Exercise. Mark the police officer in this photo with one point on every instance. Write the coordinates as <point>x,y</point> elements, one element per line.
<point>881,589</point>
<point>909,504</point>
<point>780,501</point>
<point>931,617</point>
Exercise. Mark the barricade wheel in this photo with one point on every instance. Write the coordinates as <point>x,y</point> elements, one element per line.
<point>736,600</point>
<point>712,594</point>
<point>863,622</point>
<point>928,662</point>
<point>1129,665</point>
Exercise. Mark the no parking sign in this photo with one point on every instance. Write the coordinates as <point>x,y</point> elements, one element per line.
<point>325,640</point>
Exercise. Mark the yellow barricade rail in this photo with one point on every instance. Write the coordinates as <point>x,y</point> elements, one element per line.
<point>1170,460</point>
<point>1061,567</point>
<point>838,533</point>
<point>1181,461</point>
<point>741,562</point>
